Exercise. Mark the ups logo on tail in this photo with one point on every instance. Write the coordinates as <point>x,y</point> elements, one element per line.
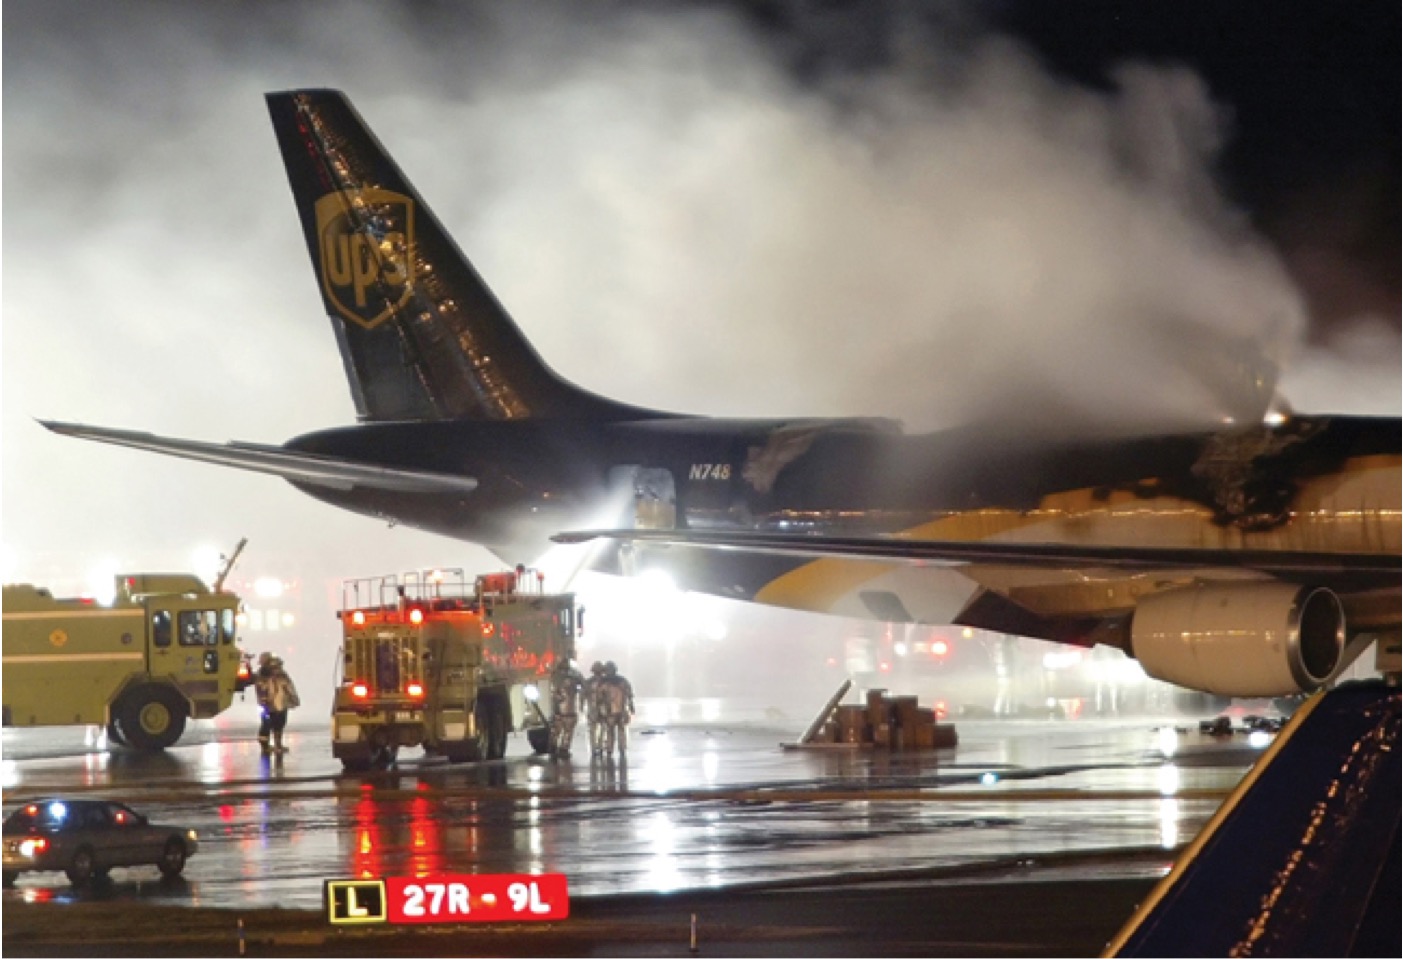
<point>365,241</point>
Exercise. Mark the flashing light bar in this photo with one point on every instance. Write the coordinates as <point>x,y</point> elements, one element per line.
<point>360,690</point>
<point>415,690</point>
<point>416,616</point>
<point>358,618</point>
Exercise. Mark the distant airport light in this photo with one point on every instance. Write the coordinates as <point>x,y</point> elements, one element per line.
<point>658,580</point>
<point>1062,659</point>
<point>899,649</point>
<point>102,583</point>
<point>885,667</point>
<point>939,648</point>
<point>206,561</point>
<point>268,587</point>
<point>289,620</point>
<point>360,690</point>
<point>415,690</point>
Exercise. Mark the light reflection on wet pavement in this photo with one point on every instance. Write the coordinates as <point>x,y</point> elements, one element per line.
<point>699,805</point>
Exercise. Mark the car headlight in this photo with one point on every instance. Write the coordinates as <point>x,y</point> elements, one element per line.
<point>33,847</point>
<point>192,835</point>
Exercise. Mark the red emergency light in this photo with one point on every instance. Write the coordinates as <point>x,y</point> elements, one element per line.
<point>415,690</point>
<point>416,616</point>
<point>360,690</point>
<point>358,618</point>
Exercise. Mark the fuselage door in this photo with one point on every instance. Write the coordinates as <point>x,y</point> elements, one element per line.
<point>651,495</point>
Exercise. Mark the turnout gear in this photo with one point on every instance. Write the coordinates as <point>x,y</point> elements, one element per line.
<point>590,692</point>
<point>615,706</point>
<point>276,694</point>
<point>566,685</point>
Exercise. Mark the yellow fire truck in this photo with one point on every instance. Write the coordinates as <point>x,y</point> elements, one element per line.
<point>162,652</point>
<point>436,660</point>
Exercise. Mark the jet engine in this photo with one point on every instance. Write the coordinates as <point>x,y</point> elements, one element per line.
<point>1240,639</point>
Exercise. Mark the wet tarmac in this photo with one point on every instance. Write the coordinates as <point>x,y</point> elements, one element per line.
<point>700,804</point>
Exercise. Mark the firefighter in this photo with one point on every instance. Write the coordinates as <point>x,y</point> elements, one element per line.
<point>282,696</point>
<point>261,680</point>
<point>616,703</point>
<point>565,712</point>
<point>592,693</point>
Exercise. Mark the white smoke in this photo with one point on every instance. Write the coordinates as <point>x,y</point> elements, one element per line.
<point>672,217</point>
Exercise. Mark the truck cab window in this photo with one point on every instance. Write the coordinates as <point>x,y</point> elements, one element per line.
<point>198,627</point>
<point>161,628</point>
<point>226,626</point>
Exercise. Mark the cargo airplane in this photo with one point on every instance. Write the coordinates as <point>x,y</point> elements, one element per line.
<point>1251,561</point>
<point>1254,560</point>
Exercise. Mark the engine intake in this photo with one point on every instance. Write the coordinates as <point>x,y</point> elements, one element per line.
<point>1240,639</point>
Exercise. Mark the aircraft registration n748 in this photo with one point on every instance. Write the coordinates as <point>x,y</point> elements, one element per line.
<point>1251,561</point>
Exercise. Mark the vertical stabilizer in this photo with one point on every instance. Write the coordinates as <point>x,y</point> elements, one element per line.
<point>422,336</point>
<point>1302,859</point>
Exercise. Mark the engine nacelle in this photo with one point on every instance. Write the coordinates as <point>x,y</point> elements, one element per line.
<point>1240,639</point>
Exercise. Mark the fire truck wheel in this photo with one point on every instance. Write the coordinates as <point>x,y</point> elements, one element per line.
<point>152,718</point>
<point>539,738</point>
<point>356,764</point>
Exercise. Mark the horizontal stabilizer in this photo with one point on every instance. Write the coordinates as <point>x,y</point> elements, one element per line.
<point>1359,566</point>
<point>307,469</point>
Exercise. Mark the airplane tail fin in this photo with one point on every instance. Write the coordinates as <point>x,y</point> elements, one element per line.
<point>421,335</point>
<point>1302,859</point>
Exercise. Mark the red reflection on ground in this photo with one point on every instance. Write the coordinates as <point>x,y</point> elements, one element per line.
<point>425,838</point>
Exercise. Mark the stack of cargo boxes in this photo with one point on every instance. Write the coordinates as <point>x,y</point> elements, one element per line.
<point>887,722</point>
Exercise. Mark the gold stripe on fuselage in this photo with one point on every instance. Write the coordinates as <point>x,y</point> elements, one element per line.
<point>1356,509</point>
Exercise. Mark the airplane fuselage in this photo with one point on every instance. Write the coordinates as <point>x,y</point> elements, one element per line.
<point>1311,482</point>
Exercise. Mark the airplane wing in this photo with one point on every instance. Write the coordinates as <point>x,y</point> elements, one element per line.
<point>1362,568</point>
<point>309,469</point>
<point>1043,601</point>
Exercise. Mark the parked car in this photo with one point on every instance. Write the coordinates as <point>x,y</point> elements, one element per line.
<point>87,837</point>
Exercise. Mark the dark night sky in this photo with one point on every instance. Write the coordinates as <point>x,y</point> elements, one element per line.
<point>1310,93</point>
